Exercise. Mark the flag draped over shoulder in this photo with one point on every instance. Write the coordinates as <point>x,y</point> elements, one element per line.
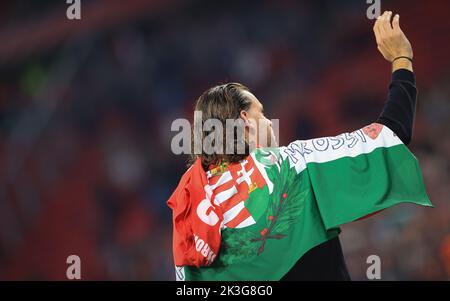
<point>253,220</point>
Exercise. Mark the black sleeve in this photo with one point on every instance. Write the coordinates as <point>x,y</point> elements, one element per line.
<point>400,107</point>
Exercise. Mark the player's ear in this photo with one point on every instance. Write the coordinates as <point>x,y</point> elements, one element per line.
<point>245,116</point>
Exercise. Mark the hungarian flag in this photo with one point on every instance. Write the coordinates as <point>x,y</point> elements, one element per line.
<point>253,220</point>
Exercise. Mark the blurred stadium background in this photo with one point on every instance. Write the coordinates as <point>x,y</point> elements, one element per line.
<point>86,108</point>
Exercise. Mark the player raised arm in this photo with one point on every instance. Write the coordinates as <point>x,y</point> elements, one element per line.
<point>398,112</point>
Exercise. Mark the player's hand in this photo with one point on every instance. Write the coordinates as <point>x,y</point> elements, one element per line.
<point>391,41</point>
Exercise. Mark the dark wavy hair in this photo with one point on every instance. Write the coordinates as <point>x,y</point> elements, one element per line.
<point>222,102</point>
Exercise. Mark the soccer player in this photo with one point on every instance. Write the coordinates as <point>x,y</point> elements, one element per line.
<point>273,213</point>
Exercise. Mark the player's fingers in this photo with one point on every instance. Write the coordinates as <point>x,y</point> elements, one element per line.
<point>380,26</point>
<point>376,31</point>
<point>386,25</point>
<point>376,26</point>
<point>396,23</point>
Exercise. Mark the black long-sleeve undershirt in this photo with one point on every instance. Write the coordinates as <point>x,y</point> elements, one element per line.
<point>326,261</point>
<point>400,107</point>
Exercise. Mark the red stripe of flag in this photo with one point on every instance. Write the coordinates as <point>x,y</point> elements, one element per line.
<point>242,216</point>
